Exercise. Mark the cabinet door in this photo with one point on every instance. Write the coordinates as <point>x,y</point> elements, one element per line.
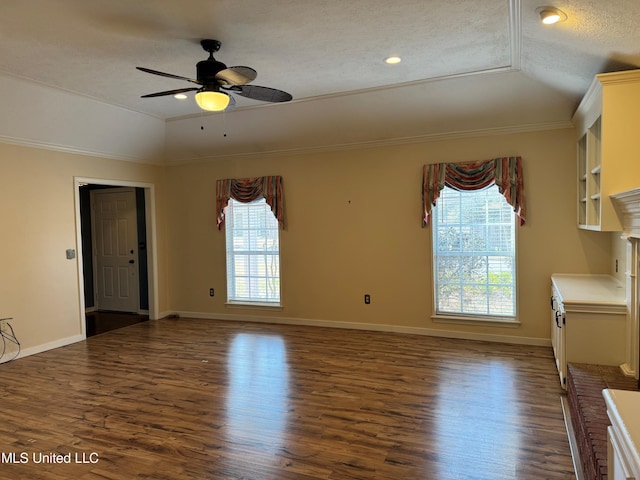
<point>594,337</point>
<point>617,466</point>
<point>562,347</point>
<point>557,337</point>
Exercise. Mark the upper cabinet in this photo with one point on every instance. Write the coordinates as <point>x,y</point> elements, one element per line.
<point>608,125</point>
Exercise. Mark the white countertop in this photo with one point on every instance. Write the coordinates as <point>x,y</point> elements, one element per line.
<point>623,408</point>
<point>583,289</point>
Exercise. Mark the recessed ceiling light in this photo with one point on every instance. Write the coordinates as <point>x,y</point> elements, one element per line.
<point>180,96</point>
<point>551,15</point>
<point>392,60</point>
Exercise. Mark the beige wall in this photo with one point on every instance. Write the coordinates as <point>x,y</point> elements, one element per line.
<point>353,227</point>
<point>619,254</point>
<point>38,285</point>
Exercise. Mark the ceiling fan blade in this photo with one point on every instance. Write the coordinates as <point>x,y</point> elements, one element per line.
<point>236,75</point>
<point>170,92</point>
<point>169,75</point>
<point>264,94</point>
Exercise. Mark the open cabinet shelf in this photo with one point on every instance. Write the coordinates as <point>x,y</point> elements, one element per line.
<point>608,123</point>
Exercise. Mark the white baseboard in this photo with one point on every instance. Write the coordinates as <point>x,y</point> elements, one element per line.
<point>25,352</point>
<point>627,370</point>
<point>573,443</point>
<point>540,342</point>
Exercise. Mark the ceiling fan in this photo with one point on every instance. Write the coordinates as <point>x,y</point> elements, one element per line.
<point>215,80</point>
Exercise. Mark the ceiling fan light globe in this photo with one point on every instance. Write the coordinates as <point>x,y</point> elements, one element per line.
<point>212,101</point>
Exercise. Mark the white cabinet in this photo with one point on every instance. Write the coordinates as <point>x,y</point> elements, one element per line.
<point>623,459</point>
<point>588,320</point>
<point>607,122</point>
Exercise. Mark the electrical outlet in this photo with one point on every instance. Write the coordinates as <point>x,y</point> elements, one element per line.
<point>367,299</point>
<point>211,292</point>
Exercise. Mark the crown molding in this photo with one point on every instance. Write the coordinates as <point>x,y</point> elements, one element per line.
<point>515,34</point>
<point>23,142</point>
<point>427,138</point>
<point>627,204</point>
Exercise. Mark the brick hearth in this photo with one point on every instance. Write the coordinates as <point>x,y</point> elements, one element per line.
<point>589,412</point>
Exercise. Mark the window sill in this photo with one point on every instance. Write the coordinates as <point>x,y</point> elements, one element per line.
<point>508,322</point>
<point>254,305</point>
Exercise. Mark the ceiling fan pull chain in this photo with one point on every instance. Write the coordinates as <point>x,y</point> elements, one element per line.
<point>224,124</point>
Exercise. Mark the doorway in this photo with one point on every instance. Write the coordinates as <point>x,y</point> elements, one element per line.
<point>116,253</point>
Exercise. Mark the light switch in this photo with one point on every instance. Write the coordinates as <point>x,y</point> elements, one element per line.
<point>71,254</point>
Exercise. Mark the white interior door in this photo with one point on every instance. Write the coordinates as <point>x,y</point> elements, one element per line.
<point>115,246</point>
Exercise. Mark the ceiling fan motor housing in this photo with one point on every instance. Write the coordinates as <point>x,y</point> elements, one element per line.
<point>207,70</point>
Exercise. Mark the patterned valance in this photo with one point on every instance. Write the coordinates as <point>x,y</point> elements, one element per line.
<point>505,172</point>
<point>247,190</point>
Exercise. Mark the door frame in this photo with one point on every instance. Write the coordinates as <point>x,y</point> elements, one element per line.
<point>152,254</point>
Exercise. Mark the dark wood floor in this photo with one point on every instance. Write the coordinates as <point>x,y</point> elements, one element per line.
<point>203,399</point>
<point>101,321</point>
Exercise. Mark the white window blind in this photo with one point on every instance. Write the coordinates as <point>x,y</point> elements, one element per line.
<point>253,253</point>
<point>474,254</point>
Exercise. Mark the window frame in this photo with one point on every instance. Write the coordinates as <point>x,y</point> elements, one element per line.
<point>471,318</point>
<point>241,302</point>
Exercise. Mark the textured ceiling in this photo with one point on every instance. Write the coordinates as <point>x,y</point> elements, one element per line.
<point>320,49</point>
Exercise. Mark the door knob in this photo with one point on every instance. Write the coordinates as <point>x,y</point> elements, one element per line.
<point>132,261</point>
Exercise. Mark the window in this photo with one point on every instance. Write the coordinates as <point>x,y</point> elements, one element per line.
<point>253,253</point>
<point>474,254</point>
